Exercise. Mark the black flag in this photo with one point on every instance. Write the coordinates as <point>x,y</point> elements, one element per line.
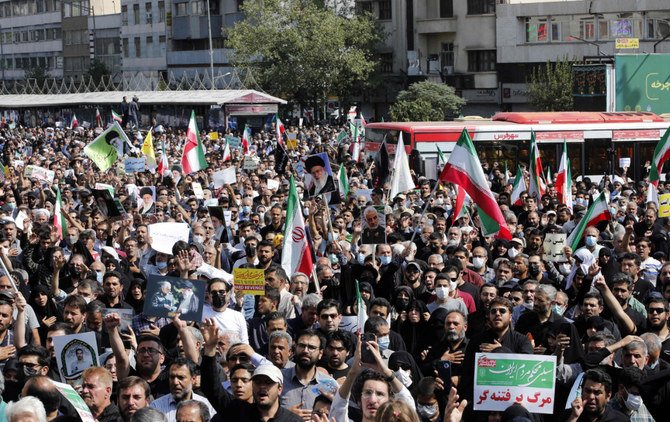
<point>381,172</point>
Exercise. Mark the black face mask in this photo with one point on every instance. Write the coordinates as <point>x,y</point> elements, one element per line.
<point>534,270</point>
<point>219,300</point>
<point>250,250</point>
<point>401,303</point>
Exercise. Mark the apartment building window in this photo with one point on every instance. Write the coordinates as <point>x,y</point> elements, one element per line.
<point>148,14</point>
<point>537,30</point>
<point>386,62</point>
<point>136,14</point>
<point>447,58</point>
<point>40,6</point>
<point>5,10</point>
<point>481,60</point>
<point>124,15</point>
<point>385,10</point>
<point>161,11</point>
<point>138,47</point>
<point>150,46</point>
<point>161,39</point>
<point>658,28</point>
<point>125,48</point>
<point>587,29</point>
<point>446,8</point>
<point>481,7</point>
<point>556,30</point>
<point>182,9</point>
<point>198,8</point>
<point>364,7</point>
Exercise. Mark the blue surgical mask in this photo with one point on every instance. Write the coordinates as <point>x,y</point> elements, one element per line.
<point>383,343</point>
<point>557,309</point>
<point>361,258</point>
<point>385,259</point>
<point>161,265</point>
<point>591,241</point>
<point>333,258</point>
<point>98,276</point>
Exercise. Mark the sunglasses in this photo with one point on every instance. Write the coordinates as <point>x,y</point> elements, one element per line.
<point>501,311</point>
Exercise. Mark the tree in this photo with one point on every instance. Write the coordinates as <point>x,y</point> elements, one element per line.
<point>97,71</point>
<point>550,87</point>
<point>426,101</point>
<point>38,74</point>
<point>304,51</point>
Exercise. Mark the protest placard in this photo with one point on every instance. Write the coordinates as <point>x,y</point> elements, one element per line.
<point>110,188</point>
<point>75,400</point>
<point>319,179</point>
<point>374,225</point>
<point>167,296</point>
<point>125,315</point>
<point>226,176</point>
<point>214,136</point>
<point>134,164</point>
<point>108,205</point>
<point>74,354</point>
<point>110,146</point>
<point>39,173</point>
<point>234,141</point>
<point>250,280</point>
<point>553,247</point>
<point>165,235</point>
<point>197,190</point>
<point>291,140</point>
<point>502,379</point>
<point>250,163</point>
<point>664,205</point>
<point>211,271</point>
<point>273,184</point>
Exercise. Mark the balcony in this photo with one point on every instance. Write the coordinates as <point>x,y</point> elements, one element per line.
<point>195,27</point>
<point>197,57</point>
<point>436,26</point>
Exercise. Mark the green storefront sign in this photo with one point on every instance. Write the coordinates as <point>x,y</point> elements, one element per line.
<point>643,82</point>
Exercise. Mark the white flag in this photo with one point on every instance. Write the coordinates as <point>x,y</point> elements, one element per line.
<point>402,177</point>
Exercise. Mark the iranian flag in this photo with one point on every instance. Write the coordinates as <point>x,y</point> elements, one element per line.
<point>226,153</point>
<point>75,123</point>
<point>98,118</point>
<point>460,208</point>
<point>361,312</point>
<point>563,183</point>
<point>598,211</point>
<point>343,181</point>
<point>568,189</point>
<point>193,158</point>
<point>59,219</point>
<point>661,154</point>
<point>401,181</point>
<point>441,159</point>
<point>117,117</point>
<point>246,139</point>
<point>296,255</point>
<point>163,164</point>
<point>518,188</point>
<point>465,170</point>
<point>279,129</point>
<point>356,146</point>
<point>341,136</point>
<point>536,187</point>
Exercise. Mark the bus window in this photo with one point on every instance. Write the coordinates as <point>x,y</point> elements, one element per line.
<point>378,135</point>
<point>598,157</point>
<point>550,159</point>
<point>575,156</point>
<point>512,153</point>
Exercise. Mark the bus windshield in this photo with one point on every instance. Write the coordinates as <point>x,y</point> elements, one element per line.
<point>378,135</point>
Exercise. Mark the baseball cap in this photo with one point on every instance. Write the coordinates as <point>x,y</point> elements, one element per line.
<point>519,240</point>
<point>269,371</point>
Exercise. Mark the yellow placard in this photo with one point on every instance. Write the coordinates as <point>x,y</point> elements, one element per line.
<point>214,136</point>
<point>291,140</point>
<point>627,43</point>
<point>250,280</point>
<point>664,205</point>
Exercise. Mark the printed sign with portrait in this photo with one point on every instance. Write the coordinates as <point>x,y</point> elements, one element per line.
<point>74,354</point>
<point>167,296</point>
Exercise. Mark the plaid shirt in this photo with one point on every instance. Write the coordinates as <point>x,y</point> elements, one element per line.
<point>640,415</point>
<point>142,322</point>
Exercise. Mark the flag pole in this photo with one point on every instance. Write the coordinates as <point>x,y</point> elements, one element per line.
<point>425,207</point>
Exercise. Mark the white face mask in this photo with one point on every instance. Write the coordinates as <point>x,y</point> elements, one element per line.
<point>442,292</point>
<point>633,402</point>
<point>512,253</point>
<point>198,239</point>
<point>478,262</point>
<point>405,377</point>
<point>453,285</point>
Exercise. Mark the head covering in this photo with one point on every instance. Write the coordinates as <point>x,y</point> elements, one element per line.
<point>313,161</point>
<point>405,359</point>
<point>269,371</point>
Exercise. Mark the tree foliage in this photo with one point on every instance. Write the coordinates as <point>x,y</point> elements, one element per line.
<point>303,51</point>
<point>97,70</point>
<point>550,87</point>
<point>39,74</point>
<point>426,101</point>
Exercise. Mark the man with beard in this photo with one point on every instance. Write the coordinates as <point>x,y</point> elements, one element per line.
<point>96,390</point>
<point>451,348</point>
<point>298,392</point>
<point>134,394</point>
<point>227,319</point>
<point>267,384</point>
<point>336,353</point>
<point>591,404</point>
<point>477,320</point>
<point>149,358</point>
<point>657,323</point>
<point>182,377</point>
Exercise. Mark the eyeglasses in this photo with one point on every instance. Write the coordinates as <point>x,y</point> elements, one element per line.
<point>501,311</point>
<point>29,364</point>
<point>149,350</point>
<point>656,310</point>
<point>305,346</point>
<point>242,358</point>
<point>328,316</point>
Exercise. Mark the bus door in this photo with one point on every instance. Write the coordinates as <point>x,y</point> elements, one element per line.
<point>636,146</point>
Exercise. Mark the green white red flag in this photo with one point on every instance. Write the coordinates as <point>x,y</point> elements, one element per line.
<point>193,158</point>
<point>296,255</point>
<point>401,180</point>
<point>246,139</point>
<point>343,181</point>
<point>598,211</point>
<point>518,188</point>
<point>563,181</point>
<point>117,117</point>
<point>536,187</point>
<point>59,219</point>
<point>661,155</point>
<point>464,169</point>
<point>361,312</point>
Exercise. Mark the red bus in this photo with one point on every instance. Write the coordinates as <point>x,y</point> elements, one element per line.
<point>598,142</point>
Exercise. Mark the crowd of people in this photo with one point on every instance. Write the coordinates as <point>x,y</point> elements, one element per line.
<point>435,290</point>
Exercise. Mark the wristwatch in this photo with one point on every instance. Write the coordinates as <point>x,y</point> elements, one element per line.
<point>390,378</point>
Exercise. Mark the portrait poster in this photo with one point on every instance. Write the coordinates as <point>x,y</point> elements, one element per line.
<point>125,316</point>
<point>108,205</point>
<point>146,199</point>
<point>502,379</point>
<point>167,296</point>
<point>74,354</point>
<point>374,225</point>
<point>318,175</point>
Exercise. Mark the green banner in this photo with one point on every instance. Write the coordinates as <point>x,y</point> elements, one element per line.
<point>643,82</point>
<point>517,372</point>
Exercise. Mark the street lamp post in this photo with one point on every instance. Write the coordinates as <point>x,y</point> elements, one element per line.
<point>588,42</point>
<point>211,51</point>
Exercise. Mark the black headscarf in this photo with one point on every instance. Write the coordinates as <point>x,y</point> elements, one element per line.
<point>412,333</point>
<point>405,359</point>
<point>434,331</point>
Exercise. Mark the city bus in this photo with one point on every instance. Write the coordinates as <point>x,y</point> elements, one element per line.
<point>598,142</point>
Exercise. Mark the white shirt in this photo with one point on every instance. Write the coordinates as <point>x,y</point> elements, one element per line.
<point>168,406</point>
<point>228,320</point>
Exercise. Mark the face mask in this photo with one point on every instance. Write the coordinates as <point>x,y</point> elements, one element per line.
<point>580,201</point>
<point>440,201</point>
<point>12,205</point>
<point>27,373</point>
<point>478,262</point>
<point>512,253</point>
<point>250,250</point>
<point>448,207</point>
<point>591,241</point>
<point>218,300</point>
<point>98,276</point>
<point>198,239</point>
<point>385,259</point>
<point>383,343</point>
<point>71,240</point>
<point>333,258</point>
<point>633,402</point>
<point>161,265</point>
<point>405,377</point>
<point>453,285</point>
<point>557,309</point>
<point>442,292</point>
<point>534,270</point>
<point>246,210</point>
<point>401,304</point>
<point>565,268</point>
<point>427,411</point>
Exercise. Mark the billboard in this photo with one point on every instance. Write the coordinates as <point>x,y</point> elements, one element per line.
<point>643,82</point>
